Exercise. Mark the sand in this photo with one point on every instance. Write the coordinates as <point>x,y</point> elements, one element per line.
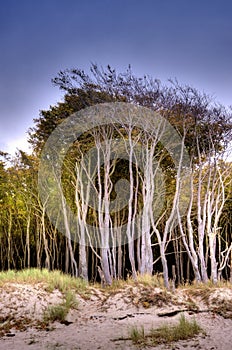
<point>105,318</point>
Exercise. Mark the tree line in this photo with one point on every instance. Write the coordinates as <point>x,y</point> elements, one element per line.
<point>146,189</point>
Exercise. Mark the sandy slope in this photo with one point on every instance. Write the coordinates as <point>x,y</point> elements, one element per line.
<point>103,319</point>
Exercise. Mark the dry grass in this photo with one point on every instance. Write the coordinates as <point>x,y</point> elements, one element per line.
<point>154,281</point>
<point>208,285</point>
<point>204,290</point>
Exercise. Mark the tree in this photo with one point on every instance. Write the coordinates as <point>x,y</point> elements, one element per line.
<point>143,180</point>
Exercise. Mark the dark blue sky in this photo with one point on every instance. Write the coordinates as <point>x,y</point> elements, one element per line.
<point>189,40</point>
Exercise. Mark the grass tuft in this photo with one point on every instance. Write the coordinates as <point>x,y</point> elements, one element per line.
<point>166,334</point>
<point>138,335</point>
<point>55,313</point>
<point>60,311</point>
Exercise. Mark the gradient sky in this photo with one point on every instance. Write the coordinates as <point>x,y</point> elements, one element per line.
<point>189,40</point>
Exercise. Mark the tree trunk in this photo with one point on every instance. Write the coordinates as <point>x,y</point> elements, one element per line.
<point>105,266</point>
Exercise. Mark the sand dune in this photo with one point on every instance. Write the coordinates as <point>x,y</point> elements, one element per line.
<point>105,317</point>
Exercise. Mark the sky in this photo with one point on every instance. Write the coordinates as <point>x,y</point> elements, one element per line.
<point>187,40</point>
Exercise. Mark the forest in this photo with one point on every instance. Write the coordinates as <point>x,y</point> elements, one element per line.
<point>127,176</point>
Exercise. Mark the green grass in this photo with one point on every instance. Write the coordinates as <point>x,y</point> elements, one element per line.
<point>70,300</point>
<point>138,335</point>
<point>55,313</point>
<point>50,279</point>
<point>63,282</point>
<point>166,334</point>
<point>60,311</point>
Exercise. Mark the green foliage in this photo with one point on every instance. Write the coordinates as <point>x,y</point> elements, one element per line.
<point>183,106</point>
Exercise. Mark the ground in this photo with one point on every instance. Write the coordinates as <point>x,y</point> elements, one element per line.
<point>104,317</point>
